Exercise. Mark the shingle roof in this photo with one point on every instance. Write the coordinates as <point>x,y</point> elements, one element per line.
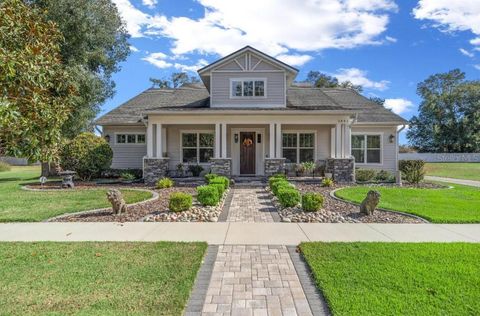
<point>195,96</point>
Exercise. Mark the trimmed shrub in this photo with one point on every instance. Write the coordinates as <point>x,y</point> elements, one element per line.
<point>4,166</point>
<point>180,202</point>
<point>312,202</point>
<point>208,195</point>
<point>209,176</point>
<point>364,175</point>
<point>383,176</point>
<point>165,183</point>
<point>87,154</point>
<point>221,180</point>
<point>327,182</point>
<point>279,175</point>
<point>288,196</point>
<point>280,184</point>
<point>220,188</point>
<point>272,180</point>
<point>412,170</point>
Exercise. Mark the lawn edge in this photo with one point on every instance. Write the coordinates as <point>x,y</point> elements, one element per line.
<point>154,196</point>
<point>332,195</point>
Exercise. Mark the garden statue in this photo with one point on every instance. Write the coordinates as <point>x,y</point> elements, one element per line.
<point>67,178</point>
<point>370,202</point>
<point>115,197</point>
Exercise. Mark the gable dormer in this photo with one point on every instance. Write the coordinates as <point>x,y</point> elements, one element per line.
<point>247,78</point>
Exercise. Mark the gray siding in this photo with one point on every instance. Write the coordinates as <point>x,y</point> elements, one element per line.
<point>126,156</point>
<point>275,89</point>
<point>389,150</point>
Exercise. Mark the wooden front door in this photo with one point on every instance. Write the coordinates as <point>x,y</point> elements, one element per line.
<point>247,153</point>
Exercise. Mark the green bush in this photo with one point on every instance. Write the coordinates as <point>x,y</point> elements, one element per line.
<point>4,166</point>
<point>220,188</point>
<point>180,202</point>
<point>221,180</point>
<point>208,195</point>
<point>364,175</point>
<point>412,170</point>
<point>209,176</point>
<point>279,175</point>
<point>165,183</point>
<point>87,154</point>
<point>273,179</point>
<point>327,182</point>
<point>312,202</point>
<point>127,176</point>
<point>195,170</point>
<point>279,184</point>
<point>383,176</point>
<point>288,196</point>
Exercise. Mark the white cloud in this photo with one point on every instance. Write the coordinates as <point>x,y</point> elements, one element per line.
<point>399,105</point>
<point>475,41</point>
<point>391,39</point>
<point>466,53</point>
<point>359,77</point>
<point>163,61</point>
<point>451,15</point>
<point>288,29</point>
<point>149,3</point>
<point>134,49</point>
<point>159,60</point>
<point>295,60</point>
<point>477,66</point>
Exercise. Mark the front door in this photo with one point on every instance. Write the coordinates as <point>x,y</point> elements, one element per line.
<point>247,153</point>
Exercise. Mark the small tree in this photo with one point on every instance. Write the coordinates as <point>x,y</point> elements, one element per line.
<point>37,94</point>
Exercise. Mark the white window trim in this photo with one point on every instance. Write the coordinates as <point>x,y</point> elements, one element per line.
<point>248,97</point>
<point>130,144</point>
<point>314,132</point>
<point>365,149</point>
<point>198,145</point>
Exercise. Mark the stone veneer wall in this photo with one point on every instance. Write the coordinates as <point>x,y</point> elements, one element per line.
<point>154,169</point>
<point>342,169</point>
<point>221,166</point>
<point>274,165</point>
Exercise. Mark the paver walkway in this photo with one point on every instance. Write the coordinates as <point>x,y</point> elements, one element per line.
<point>250,205</point>
<point>255,280</point>
<point>472,183</point>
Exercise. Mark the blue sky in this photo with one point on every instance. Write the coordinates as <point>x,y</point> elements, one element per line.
<point>386,46</point>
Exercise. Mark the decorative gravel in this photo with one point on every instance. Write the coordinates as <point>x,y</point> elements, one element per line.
<point>335,211</point>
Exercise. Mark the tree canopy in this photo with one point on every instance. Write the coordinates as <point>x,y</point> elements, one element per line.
<point>176,80</point>
<point>321,80</point>
<point>95,42</point>
<point>37,91</point>
<point>449,114</point>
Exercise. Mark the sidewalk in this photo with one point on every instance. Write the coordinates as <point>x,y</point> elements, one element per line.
<point>240,233</point>
<point>472,183</point>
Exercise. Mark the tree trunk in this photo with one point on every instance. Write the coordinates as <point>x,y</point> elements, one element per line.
<point>49,169</point>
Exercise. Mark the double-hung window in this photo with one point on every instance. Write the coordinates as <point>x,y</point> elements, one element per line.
<point>367,148</point>
<point>298,147</point>
<point>197,147</point>
<point>130,138</point>
<point>248,88</point>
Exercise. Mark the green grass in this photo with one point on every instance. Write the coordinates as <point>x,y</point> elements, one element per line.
<point>18,205</point>
<point>458,205</point>
<point>469,171</point>
<point>97,278</point>
<point>397,278</point>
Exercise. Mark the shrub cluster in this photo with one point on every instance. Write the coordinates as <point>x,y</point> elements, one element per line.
<point>372,175</point>
<point>165,183</point>
<point>4,166</point>
<point>286,193</point>
<point>312,202</point>
<point>412,170</point>
<point>180,202</point>
<point>212,193</point>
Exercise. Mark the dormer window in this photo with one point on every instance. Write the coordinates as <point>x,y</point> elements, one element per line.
<point>247,88</point>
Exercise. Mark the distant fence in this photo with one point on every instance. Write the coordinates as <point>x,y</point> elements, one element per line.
<point>15,161</point>
<point>441,157</point>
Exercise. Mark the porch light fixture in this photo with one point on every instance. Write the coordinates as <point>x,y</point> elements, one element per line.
<point>236,138</point>
<point>107,138</point>
<point>391,138</point>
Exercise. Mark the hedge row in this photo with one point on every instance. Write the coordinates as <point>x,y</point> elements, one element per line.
<point>289,196</point>
<point>212,193</point>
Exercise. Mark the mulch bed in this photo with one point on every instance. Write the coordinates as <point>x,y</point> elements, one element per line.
<point>134,213</point>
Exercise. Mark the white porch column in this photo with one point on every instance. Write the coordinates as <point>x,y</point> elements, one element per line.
<point>278,143</point>
<point>217,141</point>
<point>159,141</point>
<point>338,140</point>
<point>224,140</point>
<point>271,153</point>
<point>150,140</point>
<point>348,140</point>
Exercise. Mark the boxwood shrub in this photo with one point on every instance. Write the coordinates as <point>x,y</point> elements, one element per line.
<point>279,184</point>
<point>276,178</point>
<point>364,175</point>
<point>288,196</point>
<point>221,180</point>
<point>208,195</point>
<point>209,176</point>
<point>220,188</point>
<point>180,202</point>
<point>312,202</point>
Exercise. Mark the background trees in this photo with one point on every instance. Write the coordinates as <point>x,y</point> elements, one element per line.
<point>176,80</point>
<point>449,114</point>
<point>321,80</point>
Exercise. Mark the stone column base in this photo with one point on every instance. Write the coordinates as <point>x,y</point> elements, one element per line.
<point>221,166</point>
<point>154,169</point>
<point>342,169</point>
<point>274,165</point>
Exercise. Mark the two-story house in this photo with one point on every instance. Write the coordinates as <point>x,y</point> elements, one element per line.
<point>250,118</point>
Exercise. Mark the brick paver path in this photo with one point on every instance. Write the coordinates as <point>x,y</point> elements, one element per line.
<point>250,205</point>
<point>254,281</point>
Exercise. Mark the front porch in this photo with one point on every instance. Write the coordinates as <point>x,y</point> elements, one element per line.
<point>237,146</point>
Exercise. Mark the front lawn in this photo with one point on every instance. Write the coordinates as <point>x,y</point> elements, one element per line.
<point>397,278</point>
<point>18,205</point>
<point>458,205</point>
<point>97,278</point>
<point>469,171</point>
